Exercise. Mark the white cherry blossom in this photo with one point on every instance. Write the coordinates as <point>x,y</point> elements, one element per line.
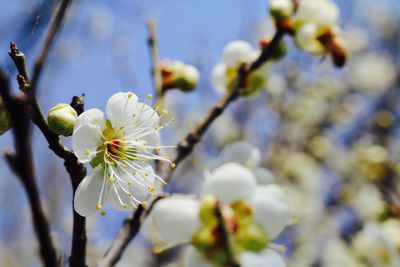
<point>119,149</point>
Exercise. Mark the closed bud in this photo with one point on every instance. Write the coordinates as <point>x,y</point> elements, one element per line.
<point>281,9</point>
<point>5,122</point>
<point>177,75</point>
<point>61,119</point>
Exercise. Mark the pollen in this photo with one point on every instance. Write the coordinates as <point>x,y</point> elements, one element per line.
<point>130,95</point>
<point>99,207</point>
<point>87,152</point>
<point>103,213</point>
<point>111,179</point>
<point>173,165</point>
<point>165,112</point>
<point>125,206</point>
<point>151,188</point>
<point>146,174</point>
<point>149,96</point>
<point>144,204</point>
<point>133,115</point>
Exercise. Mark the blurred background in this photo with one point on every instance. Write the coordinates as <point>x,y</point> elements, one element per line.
<point>330,136</point>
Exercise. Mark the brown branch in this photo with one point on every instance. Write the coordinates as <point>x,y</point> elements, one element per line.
<point>22,164</point>
<point>76,170</point>
<point>186,146</point>
<point>130,228</point>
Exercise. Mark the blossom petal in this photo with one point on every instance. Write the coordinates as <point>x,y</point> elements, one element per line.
<point>176,219</point>
<point>324,13</point>
<point>140,182</point>
<point>263,175</point>
<point>238,52</point>
<point>230,182</point>
<point>87,134</point>
<point>271,209</point>
<point>195,259</point>
<point>242,152</point>
<point>88,192</point>
<point>306,39</point>
<point>218,78</point>
<point>121,107</point>
<point>267,258</point>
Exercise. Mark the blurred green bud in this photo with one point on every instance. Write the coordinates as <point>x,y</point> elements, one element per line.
<point>252,238</point>
<point>177,75</point>
<point>5,122</point>
<point>204,239</point>
<point>207,209</point>
<point>61,119</point>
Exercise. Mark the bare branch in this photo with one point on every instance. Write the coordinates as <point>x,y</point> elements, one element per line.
<point>186,146</point>
<point>55,25</point>
<point>22,164</point>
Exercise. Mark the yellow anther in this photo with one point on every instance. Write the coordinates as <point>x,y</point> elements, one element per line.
<point>282,248</point>
<point>157,249</point>
<point>111,179</point>
<point>149,96</point>
<point>146,174</point>
<point>130,94</point>
<point>165,112</point>
<point>87,152</point>
<point>103,213</point>
<point>125,206</point>
<point>99,207</point>
<point>135,207</point>
<point>151,188</point>
<point>133,115</point>
<point>173,165</point>
<point>155,195</point>
<point>144,204</point>
<point>129,195</point>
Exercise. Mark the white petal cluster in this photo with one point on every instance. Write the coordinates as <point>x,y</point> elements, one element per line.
<point>119,149</point>
<point>313,19</point>
<point>376,244</point>
<point>234,55</point>
<point>177,219</point>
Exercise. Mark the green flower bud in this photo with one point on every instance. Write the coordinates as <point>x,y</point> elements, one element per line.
<point>61,119</point>
<point>252,238</point>
<point>177,75</point>
<point>5,122</point>
<point>204,239</point>
<point>207,209</point>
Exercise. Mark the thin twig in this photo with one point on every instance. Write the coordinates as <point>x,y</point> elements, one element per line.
<point>76,170</point>
<point>155,60</point>
<point>185,147</point>
<point>55,25</point>
<point>22,164</point>
<point>130,228</point>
